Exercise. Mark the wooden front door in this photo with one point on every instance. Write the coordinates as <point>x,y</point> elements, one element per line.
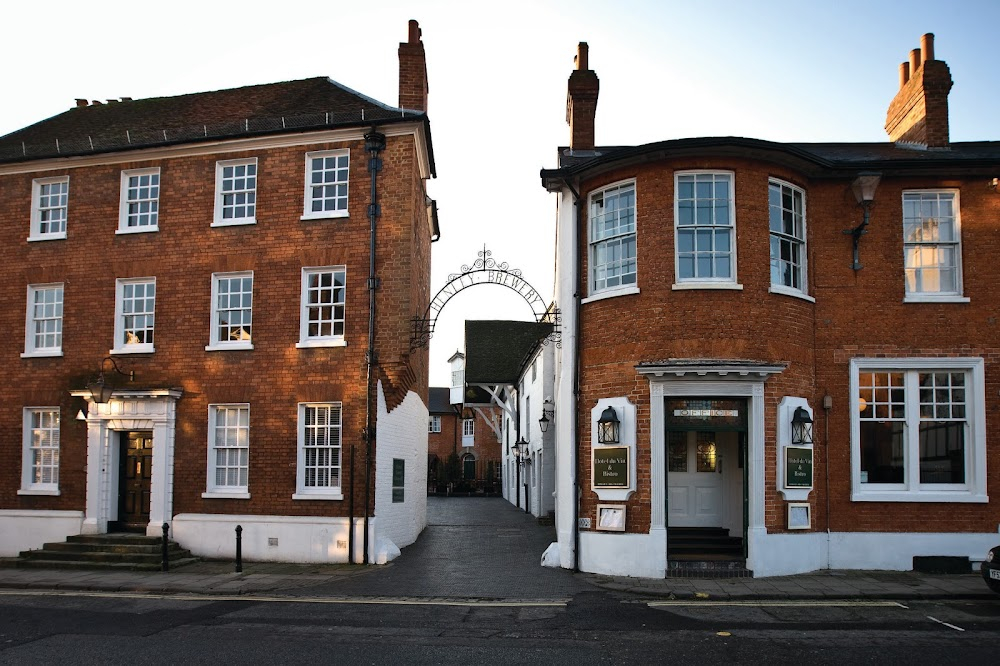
<point>134,482</point>
<point>694,479</point>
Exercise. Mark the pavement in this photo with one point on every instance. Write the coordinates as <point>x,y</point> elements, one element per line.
<point>483,549</point>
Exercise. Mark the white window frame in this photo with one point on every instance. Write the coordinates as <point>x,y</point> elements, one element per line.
<point>730,282</point>
<point>803,242</point>
<point>332,340</point>
<point>216,342</point>
<point>302,491</point>
<point>213,489</point>
<point>220,194</point>
<point>974,488</point>
<point>120,346</point>
<point>37,210</point>
<point>31,349</point>
<point>434,424</point>
<point>594,244</point>
<point>28,454</point>
<point>469,432</point>
<point>935,296</point>
<point>307,205</point>
<point>123,213</point>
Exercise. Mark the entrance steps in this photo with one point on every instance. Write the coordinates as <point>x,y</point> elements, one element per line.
<point>705,552</point>
<point>117,551</point>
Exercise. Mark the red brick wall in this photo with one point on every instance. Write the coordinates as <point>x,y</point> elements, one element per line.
<point>855,314</point>
<point>274,376</point>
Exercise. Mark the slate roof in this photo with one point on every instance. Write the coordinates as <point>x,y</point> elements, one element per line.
<point>816,159</point>
<point>308,104</point>
<point>439,400</point>
<point>496,351</point>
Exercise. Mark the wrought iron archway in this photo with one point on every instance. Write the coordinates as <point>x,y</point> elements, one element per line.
<point>484,270</point>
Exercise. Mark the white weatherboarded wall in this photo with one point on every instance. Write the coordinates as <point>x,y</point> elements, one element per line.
<point>401,434</point>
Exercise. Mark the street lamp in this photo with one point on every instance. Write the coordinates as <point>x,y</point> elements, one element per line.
<point>864,187</point>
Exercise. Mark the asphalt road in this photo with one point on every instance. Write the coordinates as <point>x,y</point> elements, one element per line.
<point>592,628</point>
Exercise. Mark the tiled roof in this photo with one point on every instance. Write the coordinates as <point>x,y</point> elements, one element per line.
<point>439,400</point>
<point>307,104</point>
<point>496,351</point>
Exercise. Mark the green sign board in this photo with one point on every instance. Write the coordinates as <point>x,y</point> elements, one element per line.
<point>798,467</point>
<point>398,479</point>
<point>611,467</point>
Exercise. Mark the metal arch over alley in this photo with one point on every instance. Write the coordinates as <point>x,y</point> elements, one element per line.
<point>484,270</point>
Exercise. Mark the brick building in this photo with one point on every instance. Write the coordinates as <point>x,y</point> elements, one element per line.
<point>786,354</point>
<point>226,248</point>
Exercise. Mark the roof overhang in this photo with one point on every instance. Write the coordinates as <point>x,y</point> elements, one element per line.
<point>715,368</point>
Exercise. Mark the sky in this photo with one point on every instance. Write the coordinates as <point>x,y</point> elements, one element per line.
<point>779,70</point>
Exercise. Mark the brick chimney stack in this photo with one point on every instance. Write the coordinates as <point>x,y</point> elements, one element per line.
<point>919,112</point>
<point>412,71</point>
<point>581,102</point>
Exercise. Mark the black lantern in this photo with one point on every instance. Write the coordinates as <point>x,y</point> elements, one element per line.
<point>101,392</point>
<point>519,449</point>
<point>802,427</point>
<point>543,423</point>
<point>608,427</point>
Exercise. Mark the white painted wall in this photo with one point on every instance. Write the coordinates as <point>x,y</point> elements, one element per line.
<point>618,554</point>
<point>401,433</point>
<point>313,539</point>
<point>29,530</point>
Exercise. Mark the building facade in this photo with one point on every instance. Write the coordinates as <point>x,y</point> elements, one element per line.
<point>790,344</point>
<point>215,265</point>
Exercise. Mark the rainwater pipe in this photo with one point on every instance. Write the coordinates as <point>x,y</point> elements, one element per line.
<point>574,422</point>
<point>374,145</point>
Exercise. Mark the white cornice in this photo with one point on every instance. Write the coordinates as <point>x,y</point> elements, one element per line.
<point>305,138</point>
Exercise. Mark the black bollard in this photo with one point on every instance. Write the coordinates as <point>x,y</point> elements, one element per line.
<point>166,557</point>
<point>239,549</point>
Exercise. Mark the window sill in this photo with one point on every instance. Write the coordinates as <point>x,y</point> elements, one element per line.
<point>309,344</point>
<point>324,216</point>
<point>788,291</point>
<point>234,223</point>
<point>952,497</point>
<point>40,492</point>
<point>246,346</point>
<point>610,293</point>
<point>730,286</point>
<point>47,237</point>
<point>136,349</point>
<point>55,353</point>
<point>932,298</point>
<point>136,230</point>
<point>225,495</point>
<point>318,496</point>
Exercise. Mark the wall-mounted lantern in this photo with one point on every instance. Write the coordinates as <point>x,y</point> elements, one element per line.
<point>608,427</point>
<point>864,187</point>
<point>547,412</point>
<point>802,427</point>
<point>101,392</point>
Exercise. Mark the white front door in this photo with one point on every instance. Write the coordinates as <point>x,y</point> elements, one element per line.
<point>694,479</point>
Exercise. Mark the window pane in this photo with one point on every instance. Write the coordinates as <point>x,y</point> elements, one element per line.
<point>882,456</point>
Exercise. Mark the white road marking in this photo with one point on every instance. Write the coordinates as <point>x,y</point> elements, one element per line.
<point>778,603</point>
<point>372,601</point>
<point>945,623</point>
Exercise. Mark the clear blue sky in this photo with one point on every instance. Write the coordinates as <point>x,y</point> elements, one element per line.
<point>778,70</point>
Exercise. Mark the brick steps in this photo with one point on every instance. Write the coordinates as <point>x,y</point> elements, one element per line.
<point>705,552</point>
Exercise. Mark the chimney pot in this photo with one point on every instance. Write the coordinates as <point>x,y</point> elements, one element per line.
<point>81,102</point>
<point>927,46</point>
<point>582,57</point>
<point>581,102</point>
<point>904,73</point>
<point>96,102</point>
<point>415,33</point>
<point>914,61</point>
<point>126,99</point>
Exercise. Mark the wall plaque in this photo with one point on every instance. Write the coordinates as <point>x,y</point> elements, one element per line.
<point>798,467</point>
<point>398,479</point>
<point>610,464</point>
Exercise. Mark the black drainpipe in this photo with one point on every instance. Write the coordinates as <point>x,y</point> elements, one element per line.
<point>374,145</point>
<point>578,276</point>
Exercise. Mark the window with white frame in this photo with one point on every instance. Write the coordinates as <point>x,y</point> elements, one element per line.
<point>319,449</point>
<point>932,253</point>
<point>326,184</point>
<point>43,329</point>
<point>235,192</point>
<point>705,227</point>
<point>49,208</point>
<point>40,457</point>
<point>612,238</point>
<point>434,425</point>
<point>468,427</point>
<point>140,201</point>
<point>232,311</point>
<point>788,236</point>
<point>228,449</point>
<point>134,316</point>
<point>457,378</point>
<point>918,430</point>
<point>322,312</point>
